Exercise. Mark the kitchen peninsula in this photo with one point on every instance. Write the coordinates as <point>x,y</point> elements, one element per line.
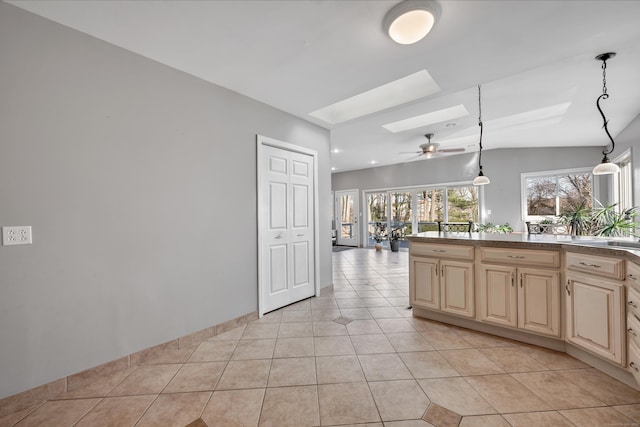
<point>580,295</point>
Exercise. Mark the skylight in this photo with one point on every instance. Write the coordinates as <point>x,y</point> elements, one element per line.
<point>397,92</point>
<point>439,116</point>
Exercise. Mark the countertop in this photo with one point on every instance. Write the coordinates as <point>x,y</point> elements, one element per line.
<point>585,244</point>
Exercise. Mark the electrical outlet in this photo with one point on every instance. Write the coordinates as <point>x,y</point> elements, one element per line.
<point>20,235</point>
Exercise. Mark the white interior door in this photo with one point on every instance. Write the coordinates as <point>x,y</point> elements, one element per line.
<point>347,213</point>
<point>287,230</point>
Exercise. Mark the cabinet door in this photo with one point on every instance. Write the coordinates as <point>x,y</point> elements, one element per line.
<point>424,286</point>
<point>594,316</point>
<point>498,303</point>
<point>539,301</point>
<point>457,290</point>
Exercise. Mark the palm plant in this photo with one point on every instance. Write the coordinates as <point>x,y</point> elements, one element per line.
<point>609,222</point>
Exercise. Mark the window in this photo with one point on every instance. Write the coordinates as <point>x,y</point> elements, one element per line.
<point>622,187</point>
<point>420,208</point>
<point>551,193</point>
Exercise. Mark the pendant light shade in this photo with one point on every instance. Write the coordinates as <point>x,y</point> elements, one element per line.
<point>410,21</point>
<point>480,179</point>
<point>606,167</point>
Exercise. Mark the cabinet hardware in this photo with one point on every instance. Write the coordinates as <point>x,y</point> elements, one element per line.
<point>515,256</point>
<point>633,365</point>
<point>279,236</point>
<point>442,271</point>
<point>567,288</point>
<point>633,304</point>
<point>521,280</point>
<point>299,235</point>
<point>439,250</point>
<point>513,277</point>
<point>632,277</point>
<point>632,332</point>
<point>586,264</point>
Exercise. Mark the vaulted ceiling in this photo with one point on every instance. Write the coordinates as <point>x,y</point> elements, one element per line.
<point>534,61</point>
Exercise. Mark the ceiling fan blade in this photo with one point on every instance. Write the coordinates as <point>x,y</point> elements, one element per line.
<point>451,150</point>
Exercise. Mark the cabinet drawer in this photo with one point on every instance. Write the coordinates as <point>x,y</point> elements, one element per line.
<point>633,275</point>
<point>634,361</point>
<point>633,301</point>
<point>531,257</point>
<point>633,328</point>
<point>601,266</point>
<point>442,251</point>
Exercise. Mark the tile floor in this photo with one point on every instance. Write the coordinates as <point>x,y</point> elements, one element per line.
<point>354,356</point>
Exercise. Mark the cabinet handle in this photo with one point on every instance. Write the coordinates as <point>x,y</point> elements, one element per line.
<point>513,280</point>
<point>299,235</point>
<point>632,277</point>
<point>633,304</point>
<point>279,236</point>
<point>439,251</point>
<point>632,332</point>
<point>586,264</point>
<point>568,290</point>
<point>520,280</point>
<point>442,271</point>
<point>633,365</point>
<point>515,256</point>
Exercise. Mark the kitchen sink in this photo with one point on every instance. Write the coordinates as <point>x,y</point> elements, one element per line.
<point>630,245</point>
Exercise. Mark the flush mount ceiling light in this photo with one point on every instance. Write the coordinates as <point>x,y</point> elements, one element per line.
<point>480,179</point>
<point>606,167</point>
<point>409,21</point>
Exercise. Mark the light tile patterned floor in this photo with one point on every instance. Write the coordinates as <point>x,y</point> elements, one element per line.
<point>353,356</point>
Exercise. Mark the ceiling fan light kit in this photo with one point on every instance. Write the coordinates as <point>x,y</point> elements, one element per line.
<point>410,21</point>
<point>605,167</point>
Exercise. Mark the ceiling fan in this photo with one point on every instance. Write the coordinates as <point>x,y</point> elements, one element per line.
<point>431,148</point>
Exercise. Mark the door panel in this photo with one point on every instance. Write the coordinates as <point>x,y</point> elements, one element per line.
<point>539,301</point>
<point>456,282</point>
<point>594,316</point>
<point>424,284</point>
<point>498,299</point>
<point>277,206</point>
<point>300,206</point>
<point>287,242</point>
<point>347,213</point>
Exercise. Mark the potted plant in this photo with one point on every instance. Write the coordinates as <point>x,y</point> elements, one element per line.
<point>379,234</point>
<point>394,238</point>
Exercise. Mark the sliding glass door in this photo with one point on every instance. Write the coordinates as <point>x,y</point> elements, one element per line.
<point>419,210</point>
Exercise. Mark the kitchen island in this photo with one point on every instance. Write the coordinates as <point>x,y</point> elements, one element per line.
<point>572,294</point>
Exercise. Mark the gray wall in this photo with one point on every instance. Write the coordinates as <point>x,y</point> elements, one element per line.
<point>140,184</point>
<point>502,166</point>
<point>630,138</point>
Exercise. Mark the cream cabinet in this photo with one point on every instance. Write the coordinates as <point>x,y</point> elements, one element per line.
<point>595,301</point>
<point>441,277</point>
<point>633,319</point>
<point>520,297</point>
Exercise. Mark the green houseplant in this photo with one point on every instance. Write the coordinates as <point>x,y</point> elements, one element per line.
<point>394,238</point>
<point>379,234</point>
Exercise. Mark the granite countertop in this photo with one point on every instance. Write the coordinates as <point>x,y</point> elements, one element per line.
<point>585,244</point>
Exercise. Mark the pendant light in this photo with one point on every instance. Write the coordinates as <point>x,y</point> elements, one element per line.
<point>606,167</point>
<point>480,179</point>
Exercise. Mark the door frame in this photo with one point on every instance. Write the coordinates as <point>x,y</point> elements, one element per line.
<point>336,215</point>
<point>262,141</point>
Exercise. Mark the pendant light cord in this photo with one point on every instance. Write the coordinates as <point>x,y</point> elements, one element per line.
<point>481,126</point>
<point>604,95</point>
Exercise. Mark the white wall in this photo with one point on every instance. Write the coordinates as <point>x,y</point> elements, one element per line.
<point>503,166</point>
<point>140,184</point>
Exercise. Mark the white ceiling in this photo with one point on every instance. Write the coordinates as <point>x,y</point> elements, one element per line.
<point>534,60</point>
